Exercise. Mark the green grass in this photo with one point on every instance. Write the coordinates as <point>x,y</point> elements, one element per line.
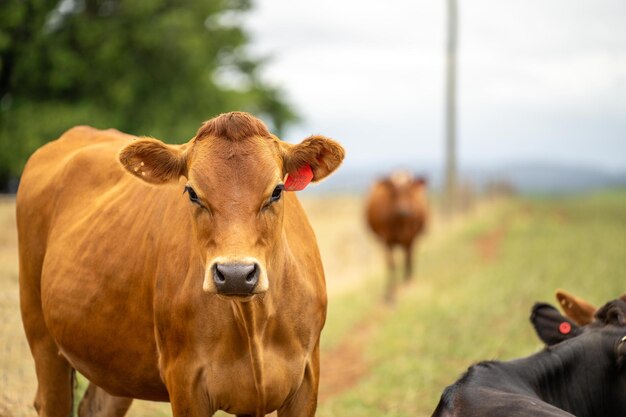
<point>346,311</point>
<point>464,308</point>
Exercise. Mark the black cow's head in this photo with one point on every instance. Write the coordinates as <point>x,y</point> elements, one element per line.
<point>593,355</point>
<point>613,316</point>
<point>603,341</point>
<point>553,328</point>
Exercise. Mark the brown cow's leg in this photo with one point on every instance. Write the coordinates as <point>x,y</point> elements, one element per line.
<point>190,406</point>
<point>390,291</point>
<point>408,263</point>
<point>55,379</point>
<point>98,403</point>
<point>55,376</point>
<point>187,390</point>
<point>304,401</point>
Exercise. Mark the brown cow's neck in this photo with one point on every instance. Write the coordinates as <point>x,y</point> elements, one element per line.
<point>252,316</point>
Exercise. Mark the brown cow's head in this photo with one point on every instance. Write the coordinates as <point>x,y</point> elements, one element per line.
<point>235,170</point>
<point>405,191</point>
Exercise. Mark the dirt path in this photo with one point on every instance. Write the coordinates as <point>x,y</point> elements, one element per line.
<point>488,244</point>
<point>345,365</point>
<point>17,374</point>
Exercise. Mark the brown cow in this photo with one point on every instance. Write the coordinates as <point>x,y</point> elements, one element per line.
<point>196,280</point>
<point>397,212</point>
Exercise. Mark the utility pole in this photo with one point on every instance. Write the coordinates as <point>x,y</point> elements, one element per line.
<point>450,192</point>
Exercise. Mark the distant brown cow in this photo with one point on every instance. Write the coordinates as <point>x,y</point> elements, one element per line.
<point>397,212</point>
<point>195,280</point>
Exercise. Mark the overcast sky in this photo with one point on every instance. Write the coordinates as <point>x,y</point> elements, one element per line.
<point>539,80</point>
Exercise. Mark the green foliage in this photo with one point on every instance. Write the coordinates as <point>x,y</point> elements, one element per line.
<point>150,67</point>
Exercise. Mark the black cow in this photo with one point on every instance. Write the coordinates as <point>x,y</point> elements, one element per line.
<point>584,375</point>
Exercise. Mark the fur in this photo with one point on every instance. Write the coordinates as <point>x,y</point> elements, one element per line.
<point>235,126</point>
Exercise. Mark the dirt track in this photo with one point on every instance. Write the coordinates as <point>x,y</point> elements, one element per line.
<point>17,375</point>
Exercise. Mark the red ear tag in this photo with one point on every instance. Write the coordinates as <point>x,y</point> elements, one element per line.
<point>565,327</point>
<point>299,179</point>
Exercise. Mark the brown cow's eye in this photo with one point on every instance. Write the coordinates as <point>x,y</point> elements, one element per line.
<point>193,197</point>
<point>278,191</point>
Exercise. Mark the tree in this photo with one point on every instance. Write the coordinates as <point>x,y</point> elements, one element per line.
<point>150,67</point>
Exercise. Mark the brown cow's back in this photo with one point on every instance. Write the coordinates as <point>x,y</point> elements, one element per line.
<point>104,241</point>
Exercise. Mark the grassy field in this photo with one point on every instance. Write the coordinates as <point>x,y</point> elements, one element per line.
<point>477,279</point>
<point>474,293</point>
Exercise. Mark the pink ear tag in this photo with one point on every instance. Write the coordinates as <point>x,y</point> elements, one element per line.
<point>299,179</point>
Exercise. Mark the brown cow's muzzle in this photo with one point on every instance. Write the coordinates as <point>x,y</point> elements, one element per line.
<point>236,278</point>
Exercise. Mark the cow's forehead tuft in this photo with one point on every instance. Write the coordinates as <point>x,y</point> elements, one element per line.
<point>233,126</point>
<point>401,177</point>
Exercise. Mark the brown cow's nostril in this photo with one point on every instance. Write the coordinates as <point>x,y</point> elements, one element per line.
<point>236,278</point>
<point>253,274</point>
<point>219,276</point>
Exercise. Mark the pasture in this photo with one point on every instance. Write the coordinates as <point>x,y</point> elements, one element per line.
<point>477,278</point>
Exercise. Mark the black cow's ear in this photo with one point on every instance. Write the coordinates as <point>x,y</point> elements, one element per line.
<point>550,325</point>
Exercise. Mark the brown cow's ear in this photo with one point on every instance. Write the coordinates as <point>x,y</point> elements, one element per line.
<point>153,161</point>
<point>575,308</point>
<point>322,154</point>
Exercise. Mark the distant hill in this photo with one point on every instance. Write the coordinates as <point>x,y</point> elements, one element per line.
<point>526,177</point>
<point>551,178</point>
